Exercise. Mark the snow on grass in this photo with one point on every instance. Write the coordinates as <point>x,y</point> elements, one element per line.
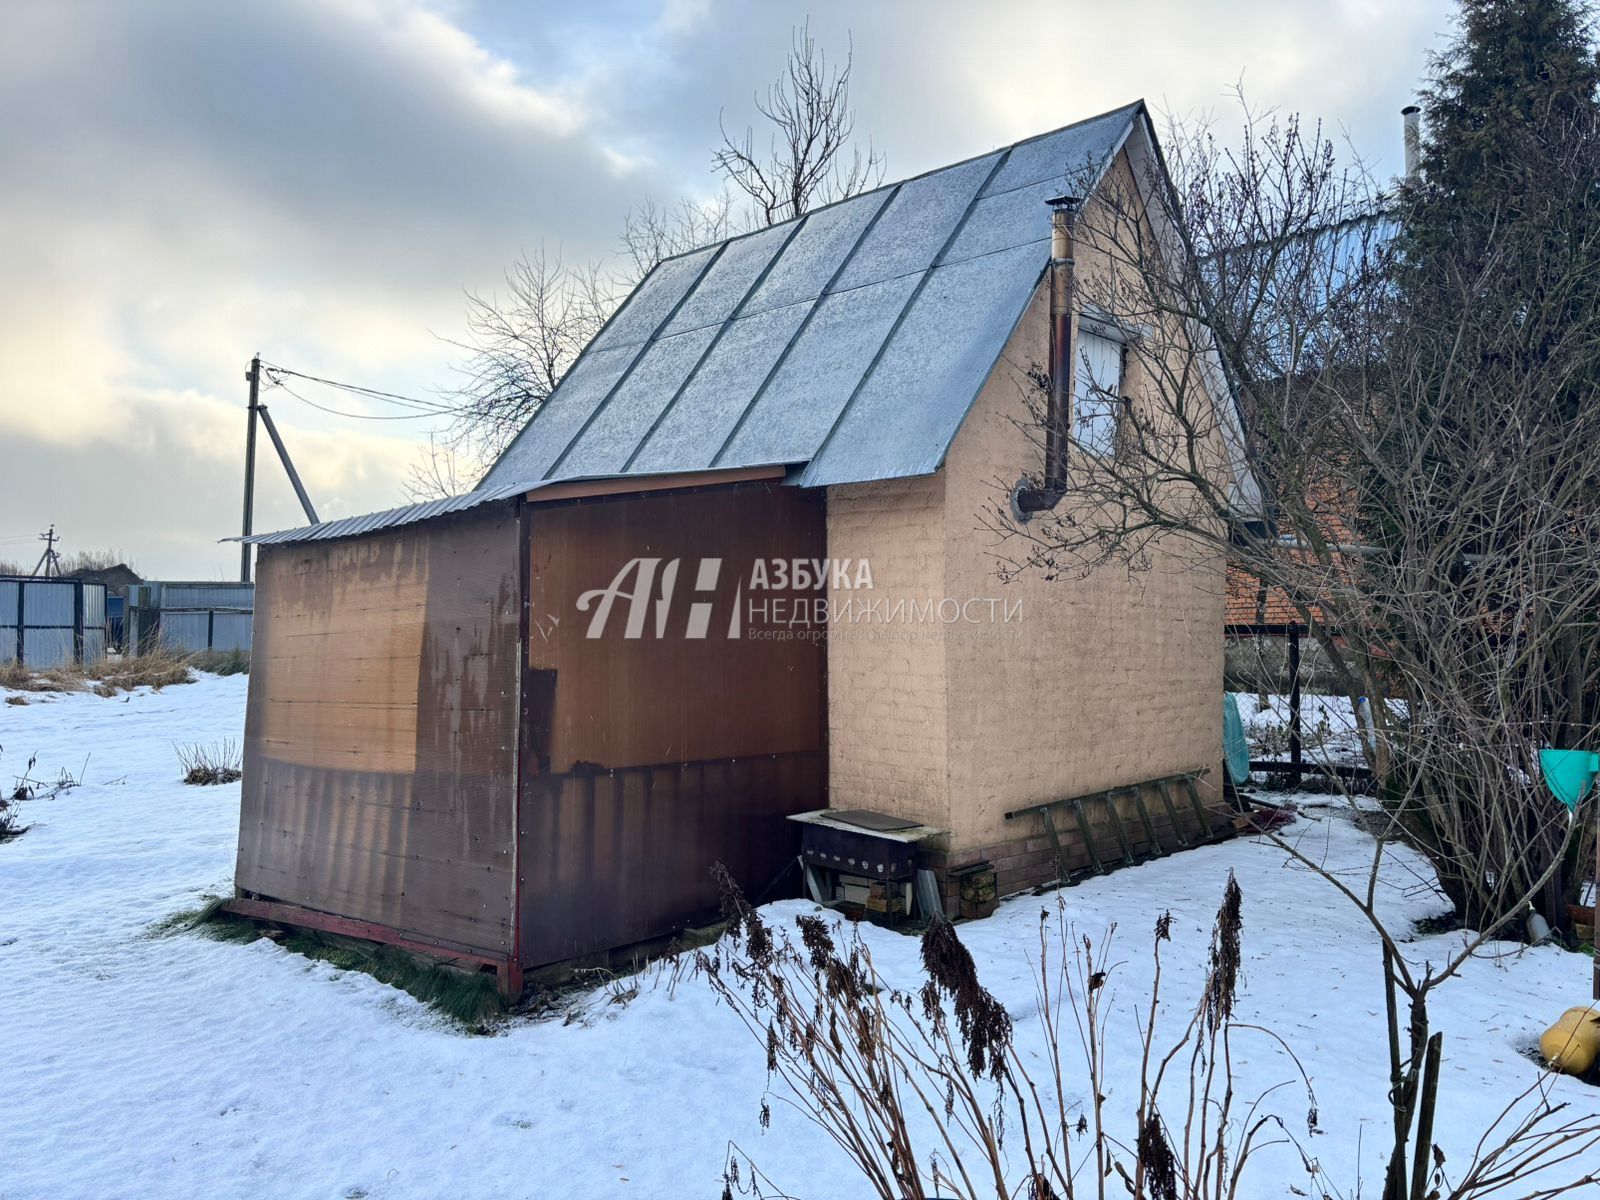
<point>1328,728</point>
<point>136,1064</point>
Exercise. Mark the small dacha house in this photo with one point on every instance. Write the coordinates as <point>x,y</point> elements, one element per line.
<point>731,573</point>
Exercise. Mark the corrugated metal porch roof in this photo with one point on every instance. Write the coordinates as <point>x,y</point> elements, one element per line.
<point>406,514</point>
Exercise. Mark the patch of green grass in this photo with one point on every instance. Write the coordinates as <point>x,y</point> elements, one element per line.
<point>470,1000</point>
<point>208,919</point>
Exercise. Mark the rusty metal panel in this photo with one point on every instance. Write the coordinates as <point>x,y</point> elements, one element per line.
<point>381,727</point>
<point>648,758</point>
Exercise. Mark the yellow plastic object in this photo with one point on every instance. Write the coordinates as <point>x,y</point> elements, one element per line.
<point>1573,1043</point>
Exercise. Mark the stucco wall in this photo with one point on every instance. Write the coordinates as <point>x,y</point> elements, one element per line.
<point>1094,681</point>
<point>1042,688</point>
<point>887,715</point>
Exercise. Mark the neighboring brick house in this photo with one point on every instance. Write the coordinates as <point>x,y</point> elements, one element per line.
<point>519,726</point>
<point>1271,646</point>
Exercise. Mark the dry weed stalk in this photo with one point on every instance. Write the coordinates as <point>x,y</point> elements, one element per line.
<point>208,765</point>
<point>928,1094</point>
<point>105,677</point>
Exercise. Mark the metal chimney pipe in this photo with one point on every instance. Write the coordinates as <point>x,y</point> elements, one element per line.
<point>1412,116</point>
<point>1063,293</point>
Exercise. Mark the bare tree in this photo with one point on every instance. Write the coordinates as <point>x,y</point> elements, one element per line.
<point>652,232</point>
<point>439,470</point>
<point>811,158</point>
<point>520,343</point>
<point>518,346</point>
<point>1433,515</point>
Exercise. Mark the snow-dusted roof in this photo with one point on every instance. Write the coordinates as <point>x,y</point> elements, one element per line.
<point>847,344</point>
<point>851,340</point>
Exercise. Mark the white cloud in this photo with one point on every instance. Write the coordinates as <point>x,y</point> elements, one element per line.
<point>426,43</point>
<point>190,182</point>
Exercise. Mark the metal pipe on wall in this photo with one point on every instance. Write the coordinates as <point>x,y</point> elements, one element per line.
<point>1027,500</point>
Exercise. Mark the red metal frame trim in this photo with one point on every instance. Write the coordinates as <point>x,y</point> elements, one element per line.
<point>508,972</point>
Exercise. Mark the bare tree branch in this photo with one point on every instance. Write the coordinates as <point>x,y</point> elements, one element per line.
<point>810,158</point>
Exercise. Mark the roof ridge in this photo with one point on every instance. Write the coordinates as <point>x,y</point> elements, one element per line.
<point>1005,149</point>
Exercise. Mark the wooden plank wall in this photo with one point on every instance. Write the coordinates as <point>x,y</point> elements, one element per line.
<point>651,758</point>
<point>380,736</point>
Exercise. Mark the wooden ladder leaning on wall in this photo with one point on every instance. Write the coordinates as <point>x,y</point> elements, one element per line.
<point>1082,810</point>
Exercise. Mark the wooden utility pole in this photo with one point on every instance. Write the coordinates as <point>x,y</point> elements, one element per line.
<point>49,562</point>
<point>253,377</point>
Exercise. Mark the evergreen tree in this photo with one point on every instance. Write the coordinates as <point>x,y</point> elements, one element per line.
<point>1508,209</point>
<point>1520,80</point>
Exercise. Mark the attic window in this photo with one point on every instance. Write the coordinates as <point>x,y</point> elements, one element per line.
<point>1097,393</point>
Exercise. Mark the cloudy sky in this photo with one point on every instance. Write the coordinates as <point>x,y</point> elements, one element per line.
<point>184,183</point>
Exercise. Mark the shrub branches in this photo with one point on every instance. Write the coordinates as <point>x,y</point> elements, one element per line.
<point>928,1093</point>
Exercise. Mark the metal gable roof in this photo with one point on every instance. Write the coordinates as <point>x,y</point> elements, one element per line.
<point>852,339</point>
<point>848,344</point>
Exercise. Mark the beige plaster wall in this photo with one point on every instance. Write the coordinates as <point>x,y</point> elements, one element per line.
<point>887,714</point>
<point>1042,688</point>
<point>1094,681</point>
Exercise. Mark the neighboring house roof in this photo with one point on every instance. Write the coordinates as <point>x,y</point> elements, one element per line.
<point>1249,603</point>
<point>852,339</point>
<point>848,344</point>
<point>118,578</point>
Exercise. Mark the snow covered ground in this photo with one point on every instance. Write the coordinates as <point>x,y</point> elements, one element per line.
<point>1328,730</point>
<point>137,1064</point>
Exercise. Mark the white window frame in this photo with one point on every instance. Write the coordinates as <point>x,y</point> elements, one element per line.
<point>1097,402</point>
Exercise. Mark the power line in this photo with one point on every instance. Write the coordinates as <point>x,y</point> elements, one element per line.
<point>427,406</point>
<point>415,416</point>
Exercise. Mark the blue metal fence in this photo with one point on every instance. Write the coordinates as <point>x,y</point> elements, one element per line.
<point>189,617</point>
<point>51,622</point>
